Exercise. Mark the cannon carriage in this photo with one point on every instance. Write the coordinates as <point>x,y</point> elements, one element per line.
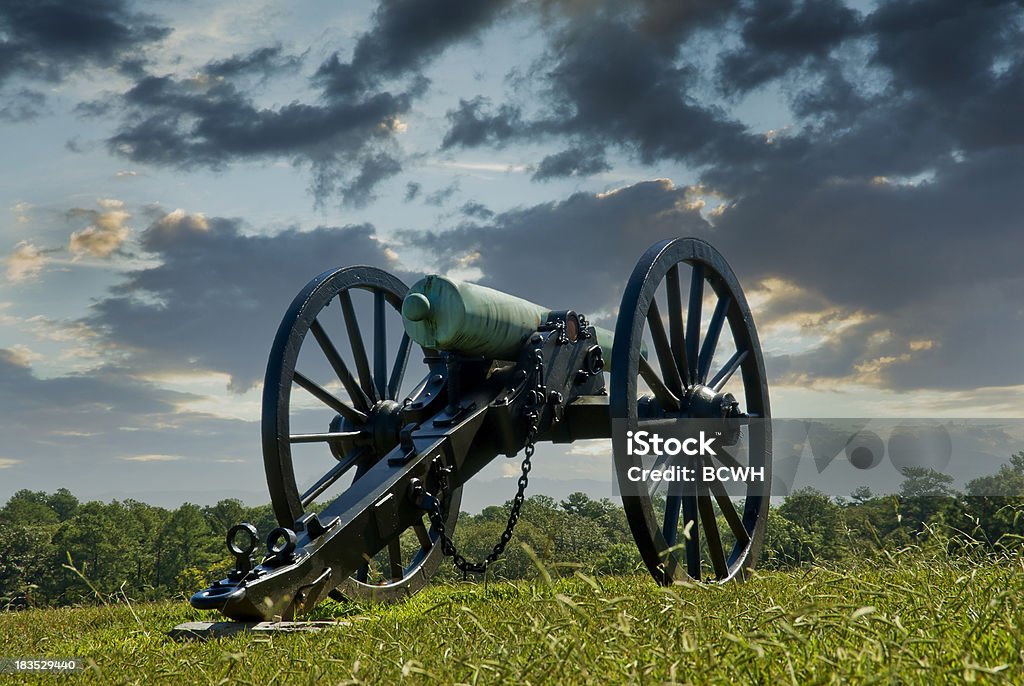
<point>366,459</point>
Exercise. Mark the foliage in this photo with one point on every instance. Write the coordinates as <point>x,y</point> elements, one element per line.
<point>133,550</point>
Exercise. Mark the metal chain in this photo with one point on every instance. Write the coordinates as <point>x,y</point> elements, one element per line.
<point>437,516</point>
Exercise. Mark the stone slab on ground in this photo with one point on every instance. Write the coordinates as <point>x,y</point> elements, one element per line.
<point>206,630</point>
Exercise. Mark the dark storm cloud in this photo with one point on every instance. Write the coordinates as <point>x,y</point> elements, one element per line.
<point>961,62</point>
<point>935,77</point>
<point>49,39</point>
<point>214,301</point>
<point>358,192</point>
<point>471,124</point>
<point>476,210</point>
<point>204,122</point>
<point>614,77</point>
<point>22,105</point>
<point>406,34</point>
<point>780,35</point>
<point>346,137</point>
<point>442,195</point>
<point>572,162</point>
<point>263,62</point>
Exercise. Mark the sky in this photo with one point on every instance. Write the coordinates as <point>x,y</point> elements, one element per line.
<point>172,173</point>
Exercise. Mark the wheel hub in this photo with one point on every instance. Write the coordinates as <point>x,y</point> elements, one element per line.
<point>705,403</point>
<point>380,433</point>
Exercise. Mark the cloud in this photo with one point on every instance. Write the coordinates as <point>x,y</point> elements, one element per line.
<point>22,105</point>
<point>442,195</point>
<point>153,457</point>
<point>613,76</point>
<point>25,262</point>
<point>412,190</point>
<point>783,35</point>
<point>263,62</point>
<point>68,430</point>
<point>75,401</point>
<point>471,124</point>
<point>46,41</point>
<point>476,210</point>
<point>215,297</point>
<point>583,161</point>
<point>375,168</point>
<point>346,138</point>
<point>106,232</point>
<point>404,37</point>
<point>200,122</point>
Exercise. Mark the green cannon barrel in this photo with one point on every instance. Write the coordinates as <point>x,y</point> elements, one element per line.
<point>466,318</point>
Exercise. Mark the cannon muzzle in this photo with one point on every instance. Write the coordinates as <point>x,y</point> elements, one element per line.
<point>469,319</point>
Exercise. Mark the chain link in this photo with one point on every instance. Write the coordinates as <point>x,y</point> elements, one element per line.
<point>436,514</point>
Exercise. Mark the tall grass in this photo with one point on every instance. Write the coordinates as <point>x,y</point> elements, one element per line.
<point>916,617</point>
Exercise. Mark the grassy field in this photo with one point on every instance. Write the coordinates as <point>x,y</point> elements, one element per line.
<point>909,620</point>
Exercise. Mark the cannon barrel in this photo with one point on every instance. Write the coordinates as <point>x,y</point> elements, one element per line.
<point>470,319</point>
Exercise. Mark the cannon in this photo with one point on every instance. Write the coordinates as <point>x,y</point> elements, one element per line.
<point>366,463</point>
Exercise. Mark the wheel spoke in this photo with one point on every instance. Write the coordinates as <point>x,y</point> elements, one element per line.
<point>725,504</point>
<point>725,373</point>
<point>328,399</point>
<point>707,350</point>
<point>727,459</point>
<point>693,317</point>
<point>323,438</point>
<point>328,479</point>
<point>664,351</point>
<point>693,542</point>
<point>357,394</point>
<point>714,539</point>
<point>661,392</point>
<point>380,345</point>
<point>395,559</point>
<point>398,371</point>
<point>671,526</point>
<point>677,334</point>
<point>422,535</point>
<point>655,486</point>
<point>356,340</point>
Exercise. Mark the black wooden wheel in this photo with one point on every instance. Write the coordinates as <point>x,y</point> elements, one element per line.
<point>667,363</point>
<point>345,416</point>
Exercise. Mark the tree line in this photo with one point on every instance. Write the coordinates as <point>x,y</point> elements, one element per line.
<point>56,550</point>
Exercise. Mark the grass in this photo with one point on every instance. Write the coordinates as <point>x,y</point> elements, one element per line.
<point>909,620</point>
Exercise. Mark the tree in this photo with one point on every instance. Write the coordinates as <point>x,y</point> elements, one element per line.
<point>821,532</point>
<point>861,495</point>
<point>925,498</point>
<point>580,503</point>
<point>63,503</point>
<point>186,540</point>
<point>921,482</point>
<point>995,505</point>
<point>29,508</point>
